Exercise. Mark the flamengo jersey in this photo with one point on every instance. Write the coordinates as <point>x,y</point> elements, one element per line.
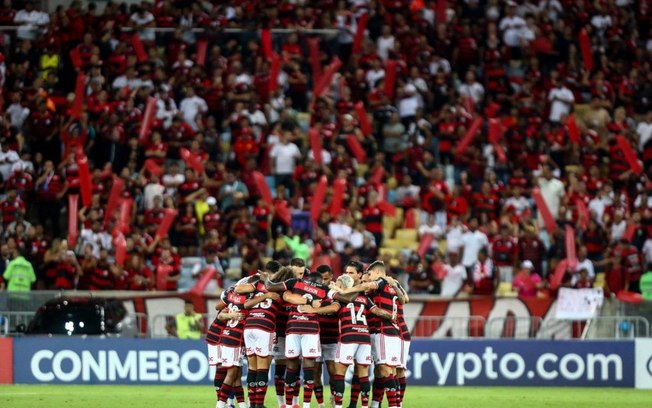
<point>263,315</point>
<point>353,320</point>
<point>215,330</point>
<point>329,328</point>
<point>384,297</point>
<point>304,323</point>
<point>233,329</point>
<point>402,324</point>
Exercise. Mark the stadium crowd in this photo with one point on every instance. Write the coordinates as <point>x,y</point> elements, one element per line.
<point>424,74</point>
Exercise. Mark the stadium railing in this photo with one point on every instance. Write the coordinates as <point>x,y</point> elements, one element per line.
<point>12,320</point>
<point>600,327</point>
<point>459,327</point>
<point>513,327</point>
<point>159,324</point>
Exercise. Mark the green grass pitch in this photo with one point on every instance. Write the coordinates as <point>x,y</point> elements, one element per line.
<point>111,396</point>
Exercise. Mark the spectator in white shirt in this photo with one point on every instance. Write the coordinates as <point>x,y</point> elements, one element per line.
<point>143,21</point>
<point>375,73</point>
<point>30,21</point>
<point>471,88</point>
<point>647,253</point>
<point>437,64</point>
<point>407,194</point>
<point>454,235</point>
<point>473,240</point>
<point>284,157</point>
<point>17,112</point>
<point>129,79</point>
<point>191,106</point>
<point>173,179</point>
<point>601,20</point>
<point>455,276</point>
<point>552,190</point>
<point>340,232</point>
<point>583,263</point>
<point>644,130</point>
<point>512,25</point>
<point>96,238</point>
<point>431,228</point>
<point>561,100</point>
<point>385,43</point>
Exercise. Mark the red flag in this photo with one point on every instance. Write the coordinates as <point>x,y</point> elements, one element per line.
<point>75,58</point>
<point>363,119</point>
<point>339,185</point>
<point>85,185</point>
<point>491,110</point>
<point>153,168</point>
<point>441,12</point>
<point>120,250</point>
<point>387,208</point>
<point>73,207</point>
<point>80,93</point>
<point>500,153</point>
<point>377,175</point>
<point>548,219</point>
<point>315,145</point>
<point>283,212</point>
<point>202,46</point>
<point>469,105</point>
<point>263,188</point>
<point>570,247</point>
<point>424,244</point>
<point>192,160</point>
<point>139,49</point>
<point>587,53</point>
<point>315,58</point>
<point>125,215</point>
<point>168,218</point>
<point>417,5</point>
<point>468,137</point>
<point>359,33</point>
<point>207,275</point>
<point>356,149</point>
<point>390,78</point>
<point>630,231</point>
<point>629,154</point>
<point>439,270</point>
<point>325,80</point>
<point>266,42</point>
<point>148,118</point>
<point>410,218</point>
<point>114,196</point>
<point>582,214</point>
<point>318,198</point>
<point>558,276</point>
<point>573,130</point>
<point>274,70</point>
<point>495,130</point>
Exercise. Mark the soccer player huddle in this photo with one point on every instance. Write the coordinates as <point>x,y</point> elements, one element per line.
<point>306,322</point>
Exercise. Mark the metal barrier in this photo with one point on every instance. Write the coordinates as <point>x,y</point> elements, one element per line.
<point>601,327</point>
<point>160,325</point>
<point>14,319</point>
<point>513,327</point>
<point>459,327</point>
<point>4,321</point>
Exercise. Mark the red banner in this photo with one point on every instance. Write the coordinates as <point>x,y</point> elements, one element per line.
<point>548,219</point>
<point>571,255</point>
<point>378,175</point>
<point>318,198</point>
<point>573,130</point>
<point>73,228</point>
<point>315,145</point>
<point>587,53</point>
<point>85,185</point>
<point>363,119</point>
<point>492,110</point>
<point>153,168</point>
<point>263,188</point>
<point>148,119</point>
<point>629,154</point>
<point>558,276</point>
<point>114,196</point>
<point>139,49</point>
<point>325,80</point>
<point>283,212</point>
<point>424,245</point>
<point>75,58</point>
<point>356,149</point>
<point>7,358</point>
<point>192,161</point>
<point>315,58</point>
<point>390,78</point>
<point>630,231</point>
<point>202,47</point>
<point>582,214</point>
<point>266,42</point>
<point>166,223</point>
<point>441,12</point>
<point>339,186</point>
<point>80,93</point>
<point>207,275</point>
<point>387,208</point>
<point>125,215</point>
<point>120,250</point>
<point>274,70</point>
<point>468,137</point>
<point>359,33</point>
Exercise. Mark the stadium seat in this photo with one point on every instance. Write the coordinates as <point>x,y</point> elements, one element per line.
<point>393,252</point>
<point>505,289</point>
<point>407,234</point>
<point>362,169</point>
<point>599,280</point>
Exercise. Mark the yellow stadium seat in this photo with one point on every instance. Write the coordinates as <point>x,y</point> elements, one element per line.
<point>505,289</point>
<point>407,234</point>
<point>362,169</point>
<point>393,252</point>
<point>599,280</point>
<point>393,243</point>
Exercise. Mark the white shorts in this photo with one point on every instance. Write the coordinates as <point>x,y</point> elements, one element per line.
<point>278,349</point>
<point>386,350</point>
<point>230,356</point>
<point>406,353</point>
<point>258,342</point>
<point>328,352</point>
<point>348,353</point>
<point>213,354</point>
<point>302,345</point>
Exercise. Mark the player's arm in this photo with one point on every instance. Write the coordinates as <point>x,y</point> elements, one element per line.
<point>219,306</point>
<point>244,288</point>
<point>345,298</point>
<point>363,287</point>
<point>401,294</point>
<point>299,300</point>
<point>276,286</point>
<point>330,309</point>
<point>226,315</point>
<point>383,314</point>
<point>258,299</point>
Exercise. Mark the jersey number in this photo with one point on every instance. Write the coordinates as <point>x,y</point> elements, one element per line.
<point>265,304</point>
<point>357,318</point>
<point>233,322</point>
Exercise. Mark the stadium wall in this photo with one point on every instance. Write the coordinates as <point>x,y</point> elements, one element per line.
<point>626,363</point>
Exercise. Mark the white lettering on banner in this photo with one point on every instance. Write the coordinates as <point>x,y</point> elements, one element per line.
<point>136,366</point>
<point>97,366</point>
<point>643,363</point>
<point>118,369</point>
<point>512,366</point>
<point>35,365</point>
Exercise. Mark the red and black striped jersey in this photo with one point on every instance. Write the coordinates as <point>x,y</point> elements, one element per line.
<point>353,318</point>
<point>386,298</point>
<point>304,323</point>
<point>402,324</point>
<point>215,330</point>
<point>329,328</point>
<point>263,315</point>
<point>232,333</point>
<point>282,319</point>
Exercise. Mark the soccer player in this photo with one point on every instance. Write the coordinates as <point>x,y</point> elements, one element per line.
<point>259,332</point>
<point>213,342</point>
<point>406,338</point>
<point>385,335</point>
<point>329,331</point>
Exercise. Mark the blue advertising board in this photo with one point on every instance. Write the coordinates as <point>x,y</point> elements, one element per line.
<point>431,362</point>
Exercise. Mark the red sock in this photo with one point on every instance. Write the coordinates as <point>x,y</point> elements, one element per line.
<point>224,393</point>
<point>379,389</point>
<point>239,393</point>
<point>220,375</point>
<point>308,383</point>
<point>402,385</point>
<point>338,389</point>
<point>279,379</point>
<point>319,394</point>
<point>391,389</point>
<point>291,380</point>
<point>355,391</point>
<point>363,388</point>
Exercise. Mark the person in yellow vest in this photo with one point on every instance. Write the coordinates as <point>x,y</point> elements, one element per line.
<point>189,324</point>
<point>646,285</point>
